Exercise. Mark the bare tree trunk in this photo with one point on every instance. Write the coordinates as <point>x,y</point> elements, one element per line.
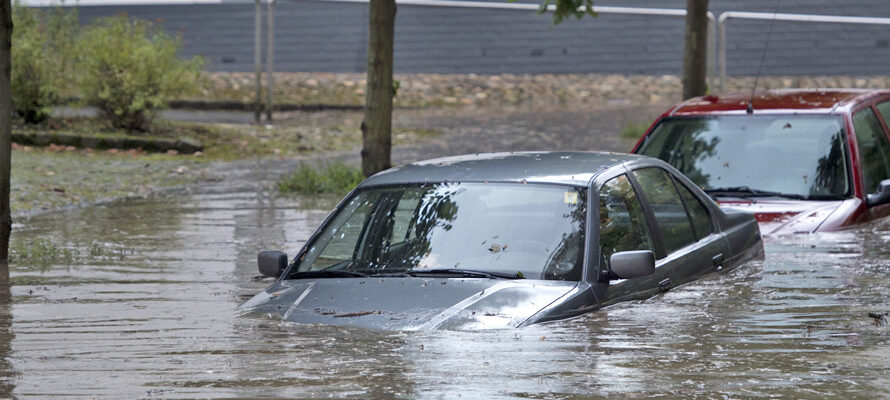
<point>377,125</point>
<point>5,131</point>
<point>258,60</point>
<point>695,54</point>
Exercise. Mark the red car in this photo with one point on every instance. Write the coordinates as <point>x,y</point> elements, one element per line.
<point>801,160</point>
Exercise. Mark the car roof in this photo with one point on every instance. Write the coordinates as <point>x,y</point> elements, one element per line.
<point>571,168</point>
<point>776,101</point>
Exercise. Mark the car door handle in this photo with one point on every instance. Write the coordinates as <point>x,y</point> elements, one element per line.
<point>665,285</point>
<point>718,261</point>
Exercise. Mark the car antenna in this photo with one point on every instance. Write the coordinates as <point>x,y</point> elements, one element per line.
<point>769,33</point>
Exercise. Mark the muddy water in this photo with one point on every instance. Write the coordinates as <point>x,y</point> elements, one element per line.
<point>146,311</point>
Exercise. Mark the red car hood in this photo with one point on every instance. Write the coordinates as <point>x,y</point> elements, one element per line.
<point>779,217</point>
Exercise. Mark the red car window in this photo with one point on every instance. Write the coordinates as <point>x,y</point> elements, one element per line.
<point>874,149</point>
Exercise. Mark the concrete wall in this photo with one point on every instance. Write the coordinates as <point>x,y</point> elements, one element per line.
<point>331,37</point>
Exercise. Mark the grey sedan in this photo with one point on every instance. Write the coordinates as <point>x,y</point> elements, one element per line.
<point>504,240</point>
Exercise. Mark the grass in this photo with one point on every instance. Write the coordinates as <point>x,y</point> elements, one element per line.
<point>40,252</point>
<point>634,130</point>
<point>50,178</point>
<point>333,179</point>
<point>43,252</point>
<point>226,142</point>
<point>45,178</point>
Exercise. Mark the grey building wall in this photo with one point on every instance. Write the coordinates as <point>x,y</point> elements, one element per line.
<point>331,37</point>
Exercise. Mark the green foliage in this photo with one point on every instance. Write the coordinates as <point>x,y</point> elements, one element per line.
<point>568,8</point>
<point>634,130</point>
<point>43,252</point>
<point>40,252</point>
<point>336,178</point>
<point>129,69</point>
<point>42,54</point>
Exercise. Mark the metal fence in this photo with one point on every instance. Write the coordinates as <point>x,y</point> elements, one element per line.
<point>270,49</point>
<point>834,19</point>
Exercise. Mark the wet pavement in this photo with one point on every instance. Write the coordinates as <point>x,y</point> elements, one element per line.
<point>144,309</point>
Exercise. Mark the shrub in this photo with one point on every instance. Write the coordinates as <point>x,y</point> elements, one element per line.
<point>336,178</point>
<point>41,56</point>
<point>129,69</point>
<point>634,130</point>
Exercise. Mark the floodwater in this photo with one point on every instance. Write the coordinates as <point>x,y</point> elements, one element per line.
<point>142,306</point>
<point>145,310</point>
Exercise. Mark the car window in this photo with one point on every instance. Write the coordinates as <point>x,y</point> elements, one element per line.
<point>622,223</point>
<point>874,150</point>
<point>670,214</point>
<point>403,217</point>
<point>536,231</point>
<point>701,220</point>
<point>799,155</point>
<point>884,110</point>
<point>338,244</point>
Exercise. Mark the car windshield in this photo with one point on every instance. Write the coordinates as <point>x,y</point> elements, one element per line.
<point>792,156</point>
<point>533,231</point>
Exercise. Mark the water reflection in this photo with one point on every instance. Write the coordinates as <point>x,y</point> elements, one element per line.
<point>152,318</point>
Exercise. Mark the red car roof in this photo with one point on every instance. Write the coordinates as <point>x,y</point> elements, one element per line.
<point>783,100</point>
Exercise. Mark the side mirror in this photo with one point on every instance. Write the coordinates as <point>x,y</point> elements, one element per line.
<point>632,264</point>
<point>882,196</point>
<point>272,262</point>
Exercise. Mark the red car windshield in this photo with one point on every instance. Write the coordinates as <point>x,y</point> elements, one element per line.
<point>794,156</point>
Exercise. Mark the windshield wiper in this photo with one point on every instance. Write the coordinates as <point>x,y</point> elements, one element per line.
<point>327,273</point>
<point>467,273</point>
<point>744,191</point>
<point>400,274</point>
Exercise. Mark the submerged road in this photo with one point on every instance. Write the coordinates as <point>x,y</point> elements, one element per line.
<point>145,309</point>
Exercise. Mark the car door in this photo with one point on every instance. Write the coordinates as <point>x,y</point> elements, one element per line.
<point>874,152</point>
<point>687,241</point>
<point>623,226</point>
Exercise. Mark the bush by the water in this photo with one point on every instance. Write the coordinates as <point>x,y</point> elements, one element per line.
<point>336,178</point>
<point>42,54</point>
<point>634,130</point>
<point>129,70</point>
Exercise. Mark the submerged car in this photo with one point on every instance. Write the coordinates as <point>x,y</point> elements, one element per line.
<point>801,160</point>
<point>504,240</point>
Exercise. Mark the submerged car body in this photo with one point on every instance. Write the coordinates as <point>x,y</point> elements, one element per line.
<point>801,160</point>
<point>504,240</point>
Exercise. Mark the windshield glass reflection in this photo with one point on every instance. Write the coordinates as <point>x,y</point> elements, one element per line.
<point>800,156</point>
<point>512,230</point>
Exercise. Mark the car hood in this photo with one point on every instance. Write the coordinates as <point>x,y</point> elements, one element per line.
<point>408,303</point>
<point>779,217</point>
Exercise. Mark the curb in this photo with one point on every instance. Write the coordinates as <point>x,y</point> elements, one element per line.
<point>157,145</point>
<point>232,105</point>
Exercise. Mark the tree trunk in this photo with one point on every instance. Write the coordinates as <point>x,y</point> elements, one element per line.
<point>377,124</point>
<point>695,54</point>
<point>5,130</point>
